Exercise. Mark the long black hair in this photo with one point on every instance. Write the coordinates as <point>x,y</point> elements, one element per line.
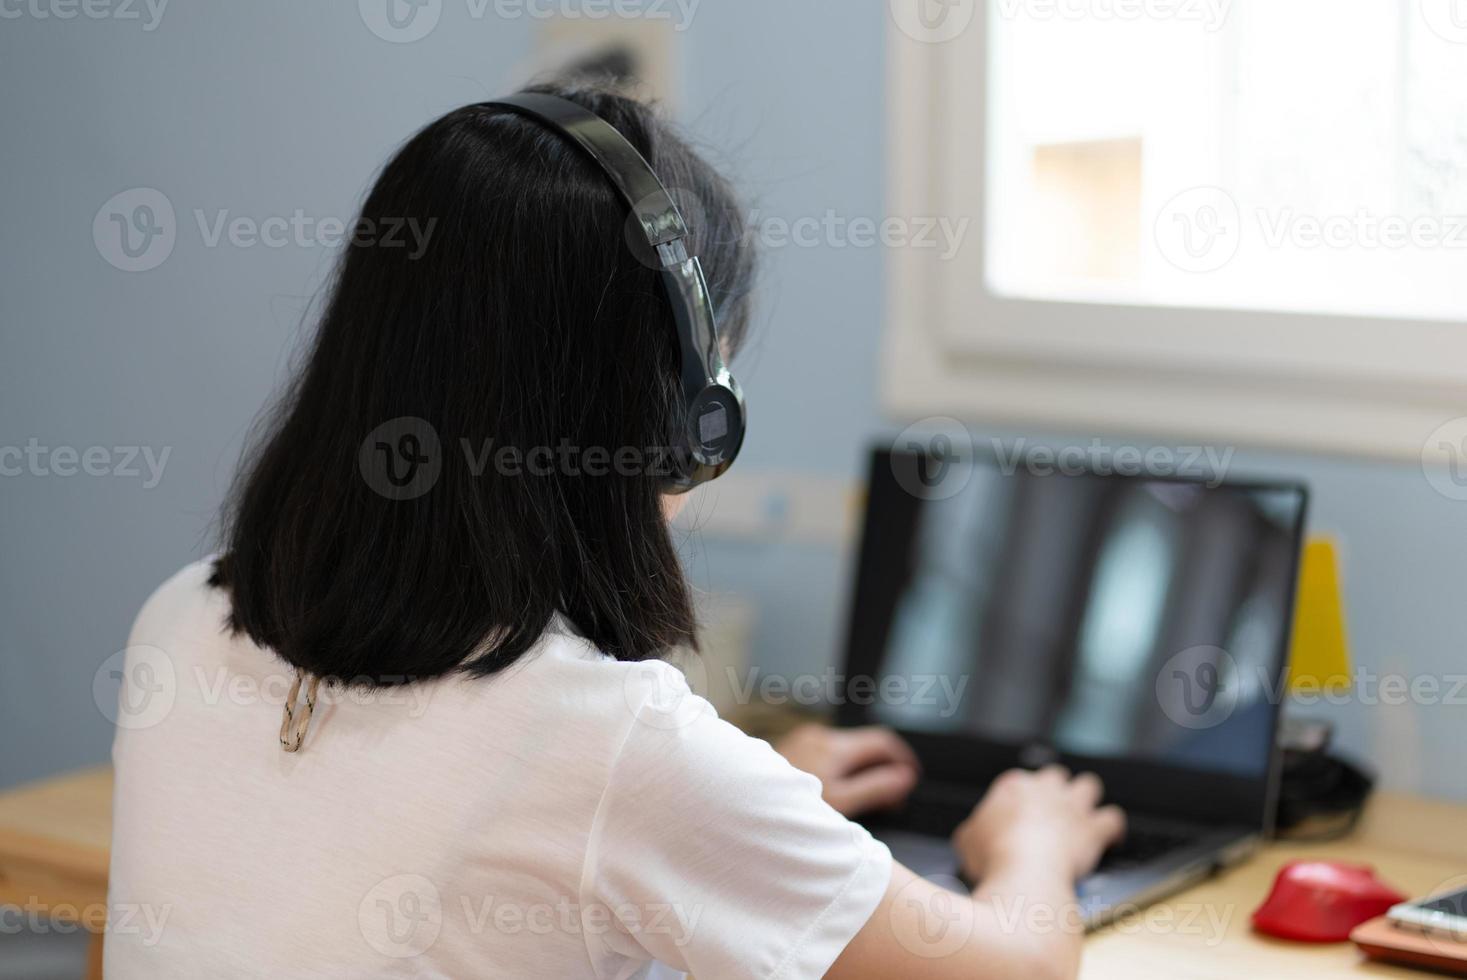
<point>470,446</point>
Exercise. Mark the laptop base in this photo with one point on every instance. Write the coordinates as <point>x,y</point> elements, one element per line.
<point>1106,894</point>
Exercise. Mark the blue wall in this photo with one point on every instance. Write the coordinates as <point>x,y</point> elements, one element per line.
<point>274,105</point>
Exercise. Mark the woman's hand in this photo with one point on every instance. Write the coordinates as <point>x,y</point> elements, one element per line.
<point>859,769</point>
<point>1030,838</point>
<point>1039,819</point>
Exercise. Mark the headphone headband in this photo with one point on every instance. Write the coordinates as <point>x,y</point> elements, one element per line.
<point>712,429</point>
<point>628,169</point>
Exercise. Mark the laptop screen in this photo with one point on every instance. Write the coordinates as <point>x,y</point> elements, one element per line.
<point>1103,617</point>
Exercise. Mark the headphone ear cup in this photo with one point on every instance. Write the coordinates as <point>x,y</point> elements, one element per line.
<point>716,424</point>
<point>714,433</point>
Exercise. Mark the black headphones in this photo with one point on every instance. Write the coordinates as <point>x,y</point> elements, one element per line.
<point>713,427</point>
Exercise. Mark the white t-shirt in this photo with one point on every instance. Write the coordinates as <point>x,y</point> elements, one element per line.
<point>571,816</point>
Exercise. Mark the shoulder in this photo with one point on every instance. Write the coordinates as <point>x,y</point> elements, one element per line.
<point>646,712</point>
<point>184,594</point>
<point>568,671</point>
<point>676,739</point>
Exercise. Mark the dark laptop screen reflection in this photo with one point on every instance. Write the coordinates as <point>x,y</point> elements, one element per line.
<point>1107,617</point>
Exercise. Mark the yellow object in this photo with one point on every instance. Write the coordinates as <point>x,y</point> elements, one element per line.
<point>1320,654</point>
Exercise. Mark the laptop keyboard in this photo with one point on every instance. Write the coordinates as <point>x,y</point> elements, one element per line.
<point>935,819</point>
<point>1142,844</point>
<point>1144,841</point>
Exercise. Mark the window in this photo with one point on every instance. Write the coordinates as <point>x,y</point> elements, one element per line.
<point>1231,219</point>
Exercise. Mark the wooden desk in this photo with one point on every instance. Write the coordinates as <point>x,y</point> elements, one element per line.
<point>54,838</point>
<point>1204,933</point>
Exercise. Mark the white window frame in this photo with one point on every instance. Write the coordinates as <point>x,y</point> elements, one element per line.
<point>1359,386</point>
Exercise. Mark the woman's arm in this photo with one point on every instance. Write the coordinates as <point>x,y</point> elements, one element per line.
<point>860,769</point>
<point>1027,842</point>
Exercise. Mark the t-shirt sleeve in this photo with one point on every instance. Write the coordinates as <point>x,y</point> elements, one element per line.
<point>712,854</point>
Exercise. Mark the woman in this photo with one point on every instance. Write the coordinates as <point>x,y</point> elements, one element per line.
<point>492,773</point>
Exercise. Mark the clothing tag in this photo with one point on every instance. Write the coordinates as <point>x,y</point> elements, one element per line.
<point>293,726</point>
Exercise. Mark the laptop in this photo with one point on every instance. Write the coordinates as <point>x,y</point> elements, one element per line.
<point>1009,615</point>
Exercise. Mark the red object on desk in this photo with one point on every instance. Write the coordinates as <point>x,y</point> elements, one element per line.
<point>1321,901</point>
<point>1379,939</point>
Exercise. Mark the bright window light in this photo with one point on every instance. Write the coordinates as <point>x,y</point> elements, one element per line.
<point>1289,155</point>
